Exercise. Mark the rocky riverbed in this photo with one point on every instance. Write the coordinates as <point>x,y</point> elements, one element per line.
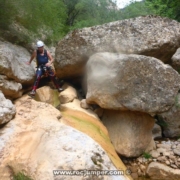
<point>161,163</point>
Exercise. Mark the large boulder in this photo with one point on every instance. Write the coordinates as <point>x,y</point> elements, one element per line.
<point>68,94</point>
<point>13,60</point>
<point>75,105</point>
<point>133,82</point>
<point>9,88</point>
<point>171,119</point>
<point>158,171</point>
<point>47,95</point>
<point>7,109</point>
<point>176,60</point>
<point>130,132</point>
<point>151,35</point>
<point>37,144</point>
<point>157,131</point>
<point>88,122</point>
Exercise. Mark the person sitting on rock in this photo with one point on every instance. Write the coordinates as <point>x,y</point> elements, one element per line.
<point>44,62</point>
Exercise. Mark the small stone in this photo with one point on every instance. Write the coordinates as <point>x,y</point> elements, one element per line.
<point>134,169</point>
<point>134,175</point>
<point>144,160</point>
<point>168,142</point>
<point>161,150</point>
<point>140,172</point>
<point>174,166</point>
<point>84,104</point>
<point>154,154</point>
<point>176,163</point>
<point>172,157</point>
<point>166,146</point>
<point>142,167</point>
<point>140,159</point>
<point>174,146</point>
<point>171,161</point>
<point>167,163</point>
<point>150,160</point>
<point>158,145</point>
<point>161,159</point>
<point>166,154</point>
<point>177,151</point>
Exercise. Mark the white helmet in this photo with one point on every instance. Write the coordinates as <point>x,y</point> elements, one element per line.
<point>40,44</point>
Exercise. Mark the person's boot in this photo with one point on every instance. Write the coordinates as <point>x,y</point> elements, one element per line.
<point>56,84</point>
<point>32,93</point>
<point>60,89</point>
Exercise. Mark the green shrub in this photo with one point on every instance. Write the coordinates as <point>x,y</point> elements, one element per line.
<point>147,155</point>
<point>21,176</point>
<point>7,11</point>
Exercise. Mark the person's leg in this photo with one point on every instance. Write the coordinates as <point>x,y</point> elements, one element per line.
<point>39,73</point>
<point>53,79</point>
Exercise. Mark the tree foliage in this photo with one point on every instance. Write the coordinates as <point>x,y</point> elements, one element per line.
<point>166,8</point>
<point>82,13</point>
<point>135,9</point>
<point>56,18</point>
<point>41,16</point>
<point>7,11</point>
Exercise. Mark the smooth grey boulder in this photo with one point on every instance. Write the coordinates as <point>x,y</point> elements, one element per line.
<point>13,60</point>
<point>157,131</point>
<point>131,82</point>
<point>9,88</point>
<point>7,109</point>
<point>146,35</point>
<point>158,171</point>
<point>176,60</point>
<point>130,132</point>
<point>171,119</point>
